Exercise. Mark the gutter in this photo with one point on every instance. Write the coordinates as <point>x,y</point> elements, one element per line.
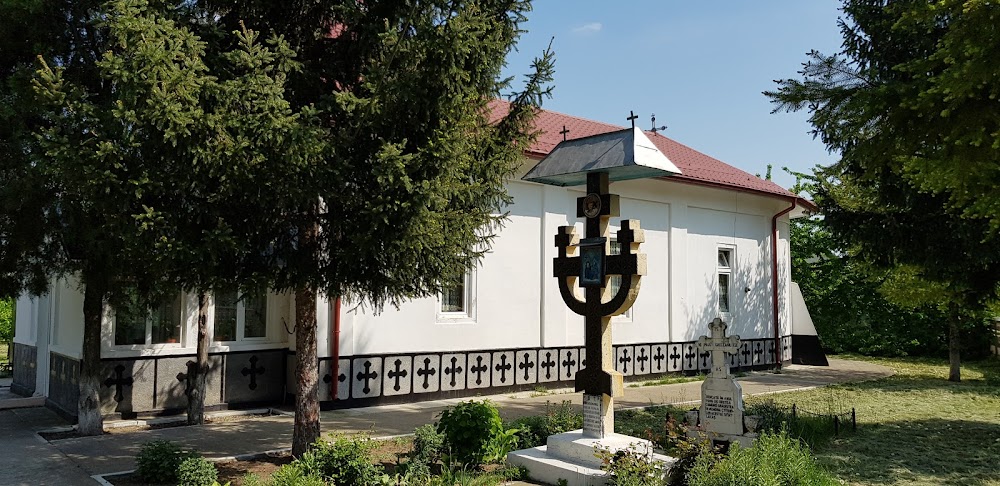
<point>774,279</point>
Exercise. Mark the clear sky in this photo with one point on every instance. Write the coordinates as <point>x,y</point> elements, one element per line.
<point>699,66</point>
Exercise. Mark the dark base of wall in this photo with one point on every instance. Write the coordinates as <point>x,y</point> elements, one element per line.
<point>806,350</point>
<point>18,389</point>
<point>60,411</point>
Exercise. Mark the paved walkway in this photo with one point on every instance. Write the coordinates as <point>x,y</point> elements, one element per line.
<point>115,452</point>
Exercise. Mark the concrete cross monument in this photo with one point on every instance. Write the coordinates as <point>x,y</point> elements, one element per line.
<point>721,413</point>
<point>588,265</point>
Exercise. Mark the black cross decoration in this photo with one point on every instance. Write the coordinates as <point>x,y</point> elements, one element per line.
<point>746,353</point>
<point>192,370</point>
<point>503,367</point>
<point>564,132</point>
<point>758,350</point>
<point>705,356</point>
<point>479,369</point>
<point>642,359</point>
<point>453,370</point>
<point>526,365</point>
<point>548,364</point>
<point>569,363</point>
<point>690,355</point>
<point>625,360</point>
<point>676,355</point>
<point>119,382</point>
<point>396,374</point>
<point>659,357</point>
<point>427,372</point>
<point>770,349</point>
<point>367,376</point>
<point>253,371</point>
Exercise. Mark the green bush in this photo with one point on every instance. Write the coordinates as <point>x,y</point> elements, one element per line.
<point>289,475</point>
<point>475,434</point>
<point>159,460</point>
<point>196,471</point>
<point>774,460</point>
<point>428,444</point>
<point>345,461</point>
<point>534,431</point>
<point>6,320</point>
<point>632,467</point>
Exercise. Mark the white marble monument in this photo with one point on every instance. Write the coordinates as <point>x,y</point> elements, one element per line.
<point>720,416</point>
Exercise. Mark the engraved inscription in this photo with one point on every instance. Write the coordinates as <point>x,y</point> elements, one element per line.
<point>718,406</point>
<point>593,414</point>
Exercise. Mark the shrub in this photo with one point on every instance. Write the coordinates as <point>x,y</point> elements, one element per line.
<point>159,460</point>
<point>345,461</point>
<point>289,475</point>
<point>196,471</point>
<point>534,431</point>
<point>474,433</point>
<point>775,460</point>
<point>428,444</point>
<point>632,467</point>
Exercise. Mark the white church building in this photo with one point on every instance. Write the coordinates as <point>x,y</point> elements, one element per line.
<point>716,245</point>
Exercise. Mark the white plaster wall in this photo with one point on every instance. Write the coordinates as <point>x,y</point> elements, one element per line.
<point>67,321</point>
<point>518,302</point>
<point>25,320</point>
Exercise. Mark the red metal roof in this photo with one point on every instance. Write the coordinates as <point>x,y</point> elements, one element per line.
<point>696,167</point>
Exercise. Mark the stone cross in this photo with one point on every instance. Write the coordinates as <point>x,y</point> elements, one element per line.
<point>591,269</point>
<point>719,345</point>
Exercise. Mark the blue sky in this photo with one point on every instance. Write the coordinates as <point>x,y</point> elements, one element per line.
<point>699,66</point>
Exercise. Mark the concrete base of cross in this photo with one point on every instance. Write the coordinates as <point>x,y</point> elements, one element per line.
<point>570,456</point>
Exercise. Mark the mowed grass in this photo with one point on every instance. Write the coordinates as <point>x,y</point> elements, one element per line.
<point>914,428</point>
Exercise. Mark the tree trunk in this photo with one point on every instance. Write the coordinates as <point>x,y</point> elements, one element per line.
<point>306,430</point>
<point>198,374</point>
<point>954,347</point>
<point>89,417</point>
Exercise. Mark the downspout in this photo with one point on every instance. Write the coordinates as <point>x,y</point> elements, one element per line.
<point>335,348</point>
<point>774,280</point>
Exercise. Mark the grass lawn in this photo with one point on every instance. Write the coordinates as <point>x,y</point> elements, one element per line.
<point>914,428</point>
<point>4,351</point>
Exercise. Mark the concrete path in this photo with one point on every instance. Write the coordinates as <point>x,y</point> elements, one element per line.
<point>115,452</point>
<point>27,459</point>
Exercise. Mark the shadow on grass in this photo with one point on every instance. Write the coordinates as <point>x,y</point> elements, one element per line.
<point>935,451</point>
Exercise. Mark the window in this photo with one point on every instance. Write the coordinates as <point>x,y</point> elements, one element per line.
<point>139,324</point>
<point>725,271</point>
<point>458,301</point>
<point>239,318</point>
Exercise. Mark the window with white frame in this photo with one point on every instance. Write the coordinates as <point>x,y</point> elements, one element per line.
<point>615,281</point>
<point>136,323</point>
<point>240,317</point>
<point>457,301</point>
<point>725,272</point>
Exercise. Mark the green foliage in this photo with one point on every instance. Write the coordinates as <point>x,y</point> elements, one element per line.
<point>910,106</point>
<point>290,475</point>
<point>475,434</point>
<point>343,461</point>
<point>534,430</point>
<point>428,446</point>
<point>774,460</point>
<point>6,320</point>
<point>848,298</point>
<point>632,467</point>
<point>158,461</point>
<point>196,471</point>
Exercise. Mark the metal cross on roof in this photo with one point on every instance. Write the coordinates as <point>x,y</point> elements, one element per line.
<point>632,118</point>
<point>656,128</point>
<point>564,132</point>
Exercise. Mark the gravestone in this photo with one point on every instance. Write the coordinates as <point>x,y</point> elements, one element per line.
<point>720,416</point>
<point>588,264</point>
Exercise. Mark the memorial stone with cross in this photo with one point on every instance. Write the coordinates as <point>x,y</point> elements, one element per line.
<point>583,268</point>
<point>721,413</point>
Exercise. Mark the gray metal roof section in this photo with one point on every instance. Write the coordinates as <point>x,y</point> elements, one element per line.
<point>625,154</point>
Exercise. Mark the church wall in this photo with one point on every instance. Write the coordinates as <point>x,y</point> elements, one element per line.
<point>24,360</point>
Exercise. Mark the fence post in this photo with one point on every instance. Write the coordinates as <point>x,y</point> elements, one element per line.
<point>794,416</point>
<point>836,425</point>
<point>854,420</point>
